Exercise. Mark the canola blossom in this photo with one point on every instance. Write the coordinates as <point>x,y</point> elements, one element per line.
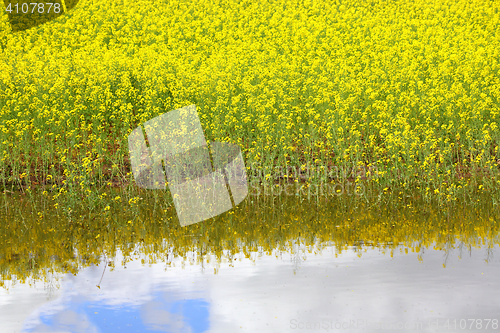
<point>407,91</point>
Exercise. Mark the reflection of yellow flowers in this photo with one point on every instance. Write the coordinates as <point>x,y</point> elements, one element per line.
<point>275,229</point>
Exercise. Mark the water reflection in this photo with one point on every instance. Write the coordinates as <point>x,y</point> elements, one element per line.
<point>161,311</point>
<point>276,293</point>
<point>282,264</point>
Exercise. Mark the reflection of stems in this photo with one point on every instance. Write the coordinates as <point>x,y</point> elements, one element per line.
<point>296,259</point>
<point>489,254</point>
<point>202,254</point>
<point>105,265</point>
<point>448,245</point>
<point>50,284</point>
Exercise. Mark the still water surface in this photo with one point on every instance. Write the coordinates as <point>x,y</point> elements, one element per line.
<point>287,266</point>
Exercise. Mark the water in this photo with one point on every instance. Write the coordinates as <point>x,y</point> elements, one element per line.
<point>274,265</point>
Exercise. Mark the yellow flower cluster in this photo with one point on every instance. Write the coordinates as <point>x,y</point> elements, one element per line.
<point>411,87</point>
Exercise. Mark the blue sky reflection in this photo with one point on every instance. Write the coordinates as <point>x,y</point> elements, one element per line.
<point>162,314</point>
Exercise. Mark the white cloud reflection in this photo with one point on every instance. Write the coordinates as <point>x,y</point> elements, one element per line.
<point>158,319</point>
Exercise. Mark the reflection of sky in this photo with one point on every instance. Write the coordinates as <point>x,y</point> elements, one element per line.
<point>277,293</point>
<point>157,315</point>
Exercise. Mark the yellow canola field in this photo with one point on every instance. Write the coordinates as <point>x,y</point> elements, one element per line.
<point>409,90</point>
